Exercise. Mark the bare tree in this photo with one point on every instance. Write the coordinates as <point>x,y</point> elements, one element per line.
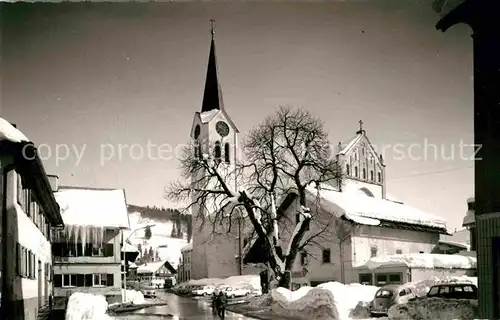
<point>286,154</point>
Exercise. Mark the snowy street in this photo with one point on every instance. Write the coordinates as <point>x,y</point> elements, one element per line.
<point>179,308</point>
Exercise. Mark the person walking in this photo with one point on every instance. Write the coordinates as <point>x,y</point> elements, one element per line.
<point>221,305</point>
<point>214,303</point>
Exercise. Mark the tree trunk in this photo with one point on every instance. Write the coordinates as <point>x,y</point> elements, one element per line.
<point>285,280</point>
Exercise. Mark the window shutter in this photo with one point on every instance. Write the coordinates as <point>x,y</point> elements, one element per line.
<point>19,257</point>
<point>110,280</point>
<point>58,280</point>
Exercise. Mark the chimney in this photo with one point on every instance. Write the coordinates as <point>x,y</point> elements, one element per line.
<point>54,182</point>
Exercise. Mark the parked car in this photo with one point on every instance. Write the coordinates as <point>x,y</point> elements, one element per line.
<point>233,292</point>
<point>203,290</point>
<point>453,290</point>
<point>148,291</point>
<point>388,296</point>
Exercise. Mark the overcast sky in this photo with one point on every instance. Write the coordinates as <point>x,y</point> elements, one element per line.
<point>101,75</point>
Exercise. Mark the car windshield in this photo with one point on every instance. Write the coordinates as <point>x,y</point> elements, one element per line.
<point>384,294</point>
<point>433,291</point>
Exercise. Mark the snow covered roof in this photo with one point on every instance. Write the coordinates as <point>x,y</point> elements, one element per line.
<point>153,267</point>
<point>455,244</point>
<point>132,265</point>
<point>93,207</point>
<point>352,206</point>
<point>10,133</point>
<point>423,260</point>
<point>187,247</point>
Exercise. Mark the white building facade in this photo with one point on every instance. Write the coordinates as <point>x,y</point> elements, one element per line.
<point>28,217</point>
<point>88,251</point>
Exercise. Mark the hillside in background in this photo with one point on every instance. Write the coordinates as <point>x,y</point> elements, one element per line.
<point>180,223</point>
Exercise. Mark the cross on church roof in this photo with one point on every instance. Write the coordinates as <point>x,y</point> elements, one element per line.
<point>212,29</point>
<point>360,127</point>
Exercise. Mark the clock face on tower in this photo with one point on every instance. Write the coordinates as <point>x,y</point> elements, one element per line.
<point>222,128</point>
<point>197,132</point>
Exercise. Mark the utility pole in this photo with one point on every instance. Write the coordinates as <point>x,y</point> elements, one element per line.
<point>240,258</point>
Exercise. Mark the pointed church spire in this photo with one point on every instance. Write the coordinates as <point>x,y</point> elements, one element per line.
<point>212,96</point>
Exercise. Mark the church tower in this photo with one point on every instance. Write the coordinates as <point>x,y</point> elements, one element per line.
<point>215,136</point>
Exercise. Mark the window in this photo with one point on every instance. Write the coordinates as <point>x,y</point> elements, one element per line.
<point>326,256</point>
<point>227,153</point>
<point>395,278</point>
<point>371,175</point>
<point>470,205</point>
<point>379,178</point>
<point>399,251</point>
<point>373,251</point>
<point>366,279</point>
<point>364,173</point>
<point>347,169</point>
<point>356,172</point>
<point>217,150</point>
<point>381,279</point>
<point>421,252</point>
<point>99,280</point>
<point>66,281</point>
<point>97,251</point>
<point>382,293</point>
<point>303,258</point>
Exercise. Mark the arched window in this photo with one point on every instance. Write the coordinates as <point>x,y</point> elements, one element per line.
<point>364,173</point>
<point>371,175</point>
<point>356,172</point>
<point>347,169</point>
<point>379,177</point>
<point>217,151</point>
<point>227,152</point>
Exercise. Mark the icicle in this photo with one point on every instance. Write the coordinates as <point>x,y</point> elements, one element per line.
<point>85,230</point>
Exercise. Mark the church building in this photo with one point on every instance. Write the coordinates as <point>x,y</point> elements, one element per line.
<point>357,221</point>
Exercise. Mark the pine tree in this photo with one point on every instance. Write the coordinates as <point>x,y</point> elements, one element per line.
<point>151,253</point>
<point>147,233</point>
<point>173,234</point>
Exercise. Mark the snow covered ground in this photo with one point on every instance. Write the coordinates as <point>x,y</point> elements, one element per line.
<point>333,300</point>
<point>168,248</point>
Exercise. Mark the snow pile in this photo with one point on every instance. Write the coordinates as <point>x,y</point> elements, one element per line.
<point>86,306</point>
<point>133,296</point>
<point>10,133</point>
<point>317,303</point>
<point>262,301</point>
<point>424,260</point>
<point>433,309</point>
<point>331,300</point>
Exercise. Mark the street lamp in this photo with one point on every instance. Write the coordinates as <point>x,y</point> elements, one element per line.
<point>125,260</point>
